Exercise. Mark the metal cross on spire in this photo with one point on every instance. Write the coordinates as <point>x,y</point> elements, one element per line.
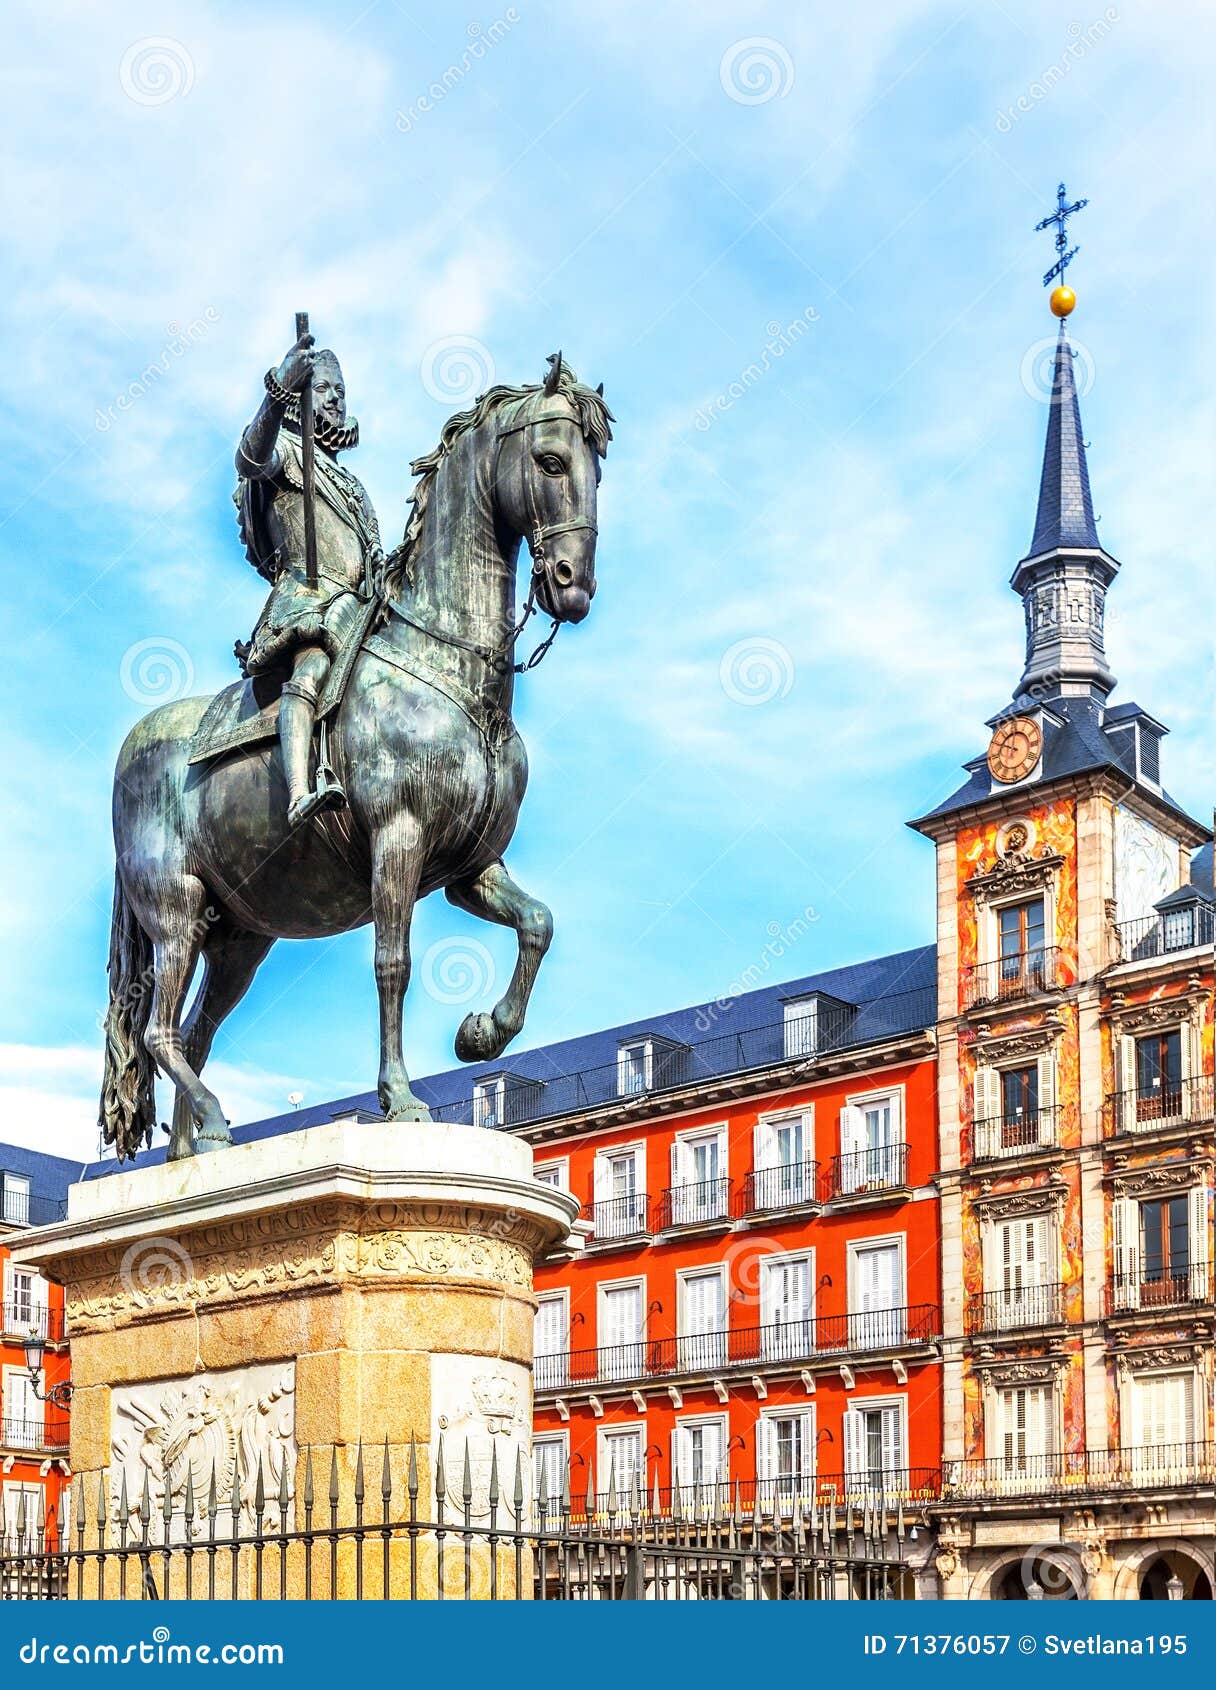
<point>1060,218</point>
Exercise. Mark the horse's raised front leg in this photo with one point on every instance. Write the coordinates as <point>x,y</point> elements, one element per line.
<point>494,896</point>
<point>176,928</point>
<point>231,958</point>
<point>396,865</point>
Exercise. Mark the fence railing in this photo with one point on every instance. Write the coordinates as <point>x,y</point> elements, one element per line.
<point>1019,976</point>
<point>19,1207</point>
<point>1157,1466</point>
<point>1012,1309</point>
<point>778,1495</point>
<point>785,1186</point>
<point>864,1171</point>
<point>621,1217</point>
<point>20,1319</point>
<point>26,1433</point>
<point>753,1346</point>
<point>722,1054</point>
<point>1015,1135</point>
<point>1165,1103</point>
<point>1159,935</point>
<point>359,1531</point>
<point>694,1204</point>
<point>1127,1293</point>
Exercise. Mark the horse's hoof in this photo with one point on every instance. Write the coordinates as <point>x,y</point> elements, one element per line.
<point>207,1141</point>
<point>478,1039</point>
<point>414,1110</point>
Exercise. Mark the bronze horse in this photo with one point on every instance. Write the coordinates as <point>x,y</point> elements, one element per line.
<point>424,745</point>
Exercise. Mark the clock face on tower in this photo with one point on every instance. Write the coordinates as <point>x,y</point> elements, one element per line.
<point>1015,748</point>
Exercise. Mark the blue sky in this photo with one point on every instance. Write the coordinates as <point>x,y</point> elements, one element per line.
<point>803,618</point>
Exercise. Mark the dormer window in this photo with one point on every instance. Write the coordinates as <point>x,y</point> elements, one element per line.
<point>502,1100</point>
<point>814,1023</point>
<point>647,1063</point>
<point>1186,919</point>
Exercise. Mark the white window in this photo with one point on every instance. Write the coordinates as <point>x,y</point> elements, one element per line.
<point>871,1143</point>
<point>1025,1431</point>
<point>552,1341</point>
<point>876,1294</point>
<point>1162,1421</point>
<point>801,1020</point>
<point>26,1300</point>
<point>622,1323</point>
<point>785,1451</point>
<point>786,1297</point>
<point>698,1452</point>
<point>701,1318</point>
<point>633,1069</point>
<point>489,1099</point>
<point>1022,1273</point>
<point>16,1199</point>
<point>874,1445</point>
<point>620,1202</point>
<point>549,1469</point>
<point>25,1515</point>
<point>1159,1250</point>
<point>699,1187</point>
<point>783,1171</point>
<point>621,1464</point>
<point>24,1411</point>
<point>556,1174</point>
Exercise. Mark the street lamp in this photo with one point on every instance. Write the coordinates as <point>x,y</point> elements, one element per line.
<point>1173,1588</point>
<point>59,1396</point>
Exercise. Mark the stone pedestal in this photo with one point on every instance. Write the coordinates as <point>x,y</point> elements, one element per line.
<point>352,1286</point>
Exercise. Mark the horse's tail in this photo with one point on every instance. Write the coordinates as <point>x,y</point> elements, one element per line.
<point>128,1088</point>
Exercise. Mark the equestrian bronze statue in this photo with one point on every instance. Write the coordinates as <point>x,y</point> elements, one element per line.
<point>236,825</point>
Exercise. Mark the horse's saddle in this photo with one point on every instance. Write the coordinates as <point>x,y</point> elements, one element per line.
<point>247,712</point>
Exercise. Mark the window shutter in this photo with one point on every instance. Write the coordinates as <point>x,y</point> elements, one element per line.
<point>1125,1081</point>
<point>1190,1100</point>
<point>852,1130</point>
<point>766,1463</point>
<point>1198,1243</point>
<point>9,1298</point>
<point>1044,1271</point>
<point>892,1441</point>
<point>807,1445</point>
<point>601,1178</point>
<point>762,1146</point>
<point>1125,1249</point>
<point>1047,1098</point>
<point>854,1445</point>
<point>987,1094</point>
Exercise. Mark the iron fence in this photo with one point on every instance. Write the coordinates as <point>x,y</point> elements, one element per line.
<point>1020,976</point>
<point>1160,935</point>
<point>1015,1135</point>
<point>361,1533</point>
<point>24,1433</point>
<point>785,1186</point>
<point>860,1173</point>
<point>1162,1105</point>
<point>1014,1308</point>
<point>1158,1466</point>
<point>22,1318</point>
<point>792,1340</point>
<point>19,1207</point>
<point>1131,1293</point>
<point>694,1203</point>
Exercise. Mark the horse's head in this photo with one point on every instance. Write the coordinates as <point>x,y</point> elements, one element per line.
<point>550,443</point>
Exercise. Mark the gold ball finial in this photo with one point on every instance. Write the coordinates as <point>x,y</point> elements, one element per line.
<point>1063,301</point>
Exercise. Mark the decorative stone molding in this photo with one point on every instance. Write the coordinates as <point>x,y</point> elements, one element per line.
<point>1015,875</point>
<point>1149,1358</point>
<point>993,1206</point>
<point>993,1049</point>
<point>1165,1176</point>
<point>1040,1370</point>
<point>1131,1019</point>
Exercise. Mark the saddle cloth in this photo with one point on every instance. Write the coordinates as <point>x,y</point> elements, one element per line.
<point>247,712</point>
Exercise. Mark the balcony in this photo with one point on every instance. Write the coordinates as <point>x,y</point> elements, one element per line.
<point>18,1207</point>
<point>21,1318</point>
<point>1022,1134</point>
<point>1181,929</point>
<point>863,1173</point>
<point>1139,1293</point>
<point>620,1220</point>
<point>34,1434</point>
<point>720,1498</point>
<point>1158,1467</point>
<point>1160,1106</point>
<point>1002,1312</point>
<point>755,1347</point>
<point>696,1203</point>
<point>790,1185</point>
<point>1023,975</point>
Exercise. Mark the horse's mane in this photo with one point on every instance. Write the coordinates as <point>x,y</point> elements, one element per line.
<point>594,417</point>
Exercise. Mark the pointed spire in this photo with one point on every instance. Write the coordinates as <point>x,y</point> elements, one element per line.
<point>1065,516</point>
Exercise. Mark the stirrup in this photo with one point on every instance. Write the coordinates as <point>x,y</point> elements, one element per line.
<point>328,796</point>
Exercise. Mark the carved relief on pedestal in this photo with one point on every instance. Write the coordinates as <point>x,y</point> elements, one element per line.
<point>177,1436</point>
<point>482,1409</point>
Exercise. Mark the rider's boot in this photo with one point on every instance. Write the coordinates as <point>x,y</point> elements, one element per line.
<point>297,716</point>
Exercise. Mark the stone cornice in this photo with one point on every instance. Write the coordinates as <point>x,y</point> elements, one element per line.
<point>1013,875</point>
<point>992,1049</point>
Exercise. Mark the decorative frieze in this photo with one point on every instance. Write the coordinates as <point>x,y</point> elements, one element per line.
<point>995,1049</point>
<point>1157,1357</point>
<point>993,1206</point>
<point>1015,876</point>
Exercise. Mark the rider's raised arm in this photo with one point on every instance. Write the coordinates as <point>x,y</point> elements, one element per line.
<point>256,457</point>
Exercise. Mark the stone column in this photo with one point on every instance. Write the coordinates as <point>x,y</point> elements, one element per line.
<point>267,1312</point>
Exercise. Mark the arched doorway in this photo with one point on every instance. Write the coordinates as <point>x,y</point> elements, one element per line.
<point>1018,1581</point>
<point>1191,1583</point>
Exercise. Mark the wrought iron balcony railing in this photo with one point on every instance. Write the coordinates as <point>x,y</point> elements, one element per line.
<point>786,1186</point>
<point>1015,1308</point>
<point>696,1203</point>
<point>1158,1466</point>
<point>778,1344</point>
<point>1163,1104</point>
<point>19,1207</point>
<point>866,1171</point>
<point>1131,1293</point>
<point>722,1498</point>
<point>1015,1135</point>
<point>621,1217</point>
<point>20,1319</point>
<point>1023,975</point>
<point>1162,935</point>
<point>33,1434</point>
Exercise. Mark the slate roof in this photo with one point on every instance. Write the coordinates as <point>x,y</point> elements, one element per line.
<point>49,1178</point>
<point>895,994</point>
<point>1201,867</point>
<point>1065,515</point>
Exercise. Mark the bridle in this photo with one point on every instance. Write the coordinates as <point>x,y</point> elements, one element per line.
<point>536,409</point>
